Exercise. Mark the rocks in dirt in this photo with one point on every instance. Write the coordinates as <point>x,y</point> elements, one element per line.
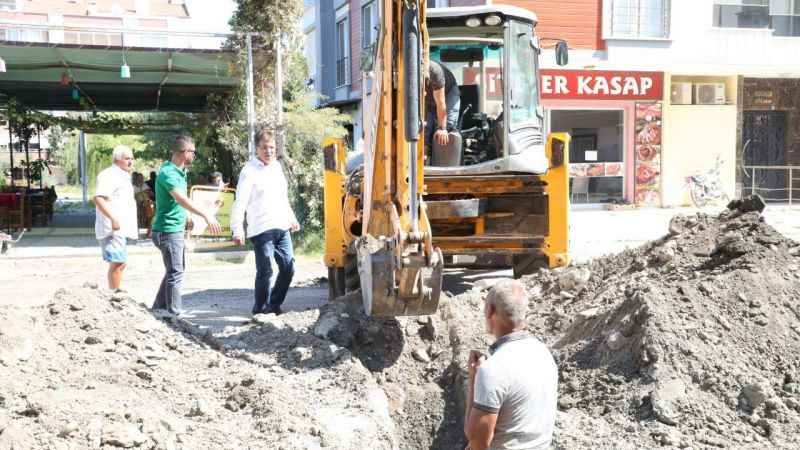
<point>69,430</point>
<point>753,203</point>
<point>667,400</point>
<point>270,320</point>
<point>200,408</point>
<point>421,355</point>
<point>124,435</point>
<point>574,279</point>
<point>755,394</point>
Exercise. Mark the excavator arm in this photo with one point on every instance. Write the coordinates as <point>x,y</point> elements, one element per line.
<point>399,269</point>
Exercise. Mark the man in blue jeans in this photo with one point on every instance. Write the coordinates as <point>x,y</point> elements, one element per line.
<point>262,196</point>
<point>169,222</point>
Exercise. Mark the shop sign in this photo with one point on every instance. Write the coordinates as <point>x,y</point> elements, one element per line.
<point>601,85</point>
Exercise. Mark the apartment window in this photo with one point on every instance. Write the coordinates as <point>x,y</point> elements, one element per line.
<point>342,53</point>
<point>8,5</point>
<point>92,38</point>
<point>639,19</point>
<point>369,24</point>
<point>23,35</point>
<point>741,13</point>
<point>785,17</point>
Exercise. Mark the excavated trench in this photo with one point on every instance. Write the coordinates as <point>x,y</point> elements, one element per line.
<point>417,361</point>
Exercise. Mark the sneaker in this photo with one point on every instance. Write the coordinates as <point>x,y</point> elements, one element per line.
<point>276,309</point>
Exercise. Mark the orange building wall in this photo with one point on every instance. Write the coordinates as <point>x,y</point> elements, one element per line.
<point>579,22</point>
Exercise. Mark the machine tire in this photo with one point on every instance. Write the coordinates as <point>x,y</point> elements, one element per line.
<point>527,264</point>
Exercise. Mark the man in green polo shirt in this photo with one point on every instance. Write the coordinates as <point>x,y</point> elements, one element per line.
<point>169,222</point>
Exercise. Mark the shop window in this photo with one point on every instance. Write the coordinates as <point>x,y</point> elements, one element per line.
<point>596,153</point>
<point>639,19</point>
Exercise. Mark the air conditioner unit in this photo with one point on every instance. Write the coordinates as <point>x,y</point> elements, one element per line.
<point>709,93</point>
<point>680,94</point>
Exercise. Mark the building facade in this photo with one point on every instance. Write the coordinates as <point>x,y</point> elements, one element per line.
<point>656,91</point>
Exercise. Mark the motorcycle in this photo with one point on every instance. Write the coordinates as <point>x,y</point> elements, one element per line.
<point>706,188</point>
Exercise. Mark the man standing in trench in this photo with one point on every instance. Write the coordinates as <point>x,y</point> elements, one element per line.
<point>511,402</point>
<point>170,222</point>
<point>115,217</point>
<point>262,195</point>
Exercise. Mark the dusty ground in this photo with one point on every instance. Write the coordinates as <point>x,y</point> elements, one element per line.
<point>690,341</point>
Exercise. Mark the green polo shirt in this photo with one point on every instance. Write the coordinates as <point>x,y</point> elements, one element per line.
<point>170,216</point>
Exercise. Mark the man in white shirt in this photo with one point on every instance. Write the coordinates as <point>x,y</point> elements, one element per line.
<point>262,196</point>
<point>115,216</point>
<point>511,404</point>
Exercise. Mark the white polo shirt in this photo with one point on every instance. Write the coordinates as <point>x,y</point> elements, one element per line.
<point>115,185</point>
<point>519,383</point>
<point>262,195</point>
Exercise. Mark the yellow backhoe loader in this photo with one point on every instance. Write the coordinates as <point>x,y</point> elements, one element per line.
<point>396,211</point>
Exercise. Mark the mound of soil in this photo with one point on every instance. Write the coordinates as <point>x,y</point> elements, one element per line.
<point>691,341</point>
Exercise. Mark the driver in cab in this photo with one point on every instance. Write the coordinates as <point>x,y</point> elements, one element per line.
<point>442,104</point>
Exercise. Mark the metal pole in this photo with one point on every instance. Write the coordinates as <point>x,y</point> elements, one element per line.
<point>790,185</point>
<point>279,93</point>
<point>39,140</point>
<point>11,152</point>
<point>251,109</point>
<point>28,162</point>
<point>753,181</point>
<point>82,163</point>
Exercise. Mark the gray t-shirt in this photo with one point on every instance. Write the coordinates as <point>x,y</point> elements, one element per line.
<point>519,383</point>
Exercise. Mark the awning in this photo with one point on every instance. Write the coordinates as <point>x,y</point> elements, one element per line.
<point>160,79</point>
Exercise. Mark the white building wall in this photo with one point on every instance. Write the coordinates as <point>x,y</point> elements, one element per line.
<point>694,45</point>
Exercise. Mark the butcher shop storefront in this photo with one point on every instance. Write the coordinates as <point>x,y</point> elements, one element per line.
<point>614,119</point>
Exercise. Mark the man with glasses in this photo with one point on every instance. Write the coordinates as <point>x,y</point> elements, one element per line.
<point>170,222</point>
<point>262,195</point>
<point>115,216</point>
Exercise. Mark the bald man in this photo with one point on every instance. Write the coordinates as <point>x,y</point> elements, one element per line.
<point>512,394</point>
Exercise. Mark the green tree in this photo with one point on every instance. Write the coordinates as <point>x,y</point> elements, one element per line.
<point>304,126</point>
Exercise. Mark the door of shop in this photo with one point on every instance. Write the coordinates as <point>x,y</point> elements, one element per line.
<point>764,143</point>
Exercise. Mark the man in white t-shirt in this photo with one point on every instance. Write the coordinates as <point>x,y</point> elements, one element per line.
<point>512,393</point>
<point>115,217</point>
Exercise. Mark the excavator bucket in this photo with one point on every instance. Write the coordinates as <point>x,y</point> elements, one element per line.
<point>380,277</point>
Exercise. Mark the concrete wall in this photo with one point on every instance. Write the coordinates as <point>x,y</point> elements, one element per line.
<point>692,137</point>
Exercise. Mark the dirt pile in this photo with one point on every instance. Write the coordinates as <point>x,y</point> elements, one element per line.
<point>97,370</point>
<point>691,341</point>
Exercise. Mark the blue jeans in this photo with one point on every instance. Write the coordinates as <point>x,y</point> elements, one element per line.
<point>452,100</point>
<point>270,244</point>
<point>174,256</point>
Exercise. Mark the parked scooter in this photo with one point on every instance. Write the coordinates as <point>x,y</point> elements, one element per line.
<point>706,188</point>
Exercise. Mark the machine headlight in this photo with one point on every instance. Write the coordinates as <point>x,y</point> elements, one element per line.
<point>473,22</point>
<point>492,20</point>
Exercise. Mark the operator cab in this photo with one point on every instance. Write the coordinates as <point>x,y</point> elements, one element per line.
<point>494,55</point>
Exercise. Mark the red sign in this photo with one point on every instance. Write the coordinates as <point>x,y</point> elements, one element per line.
<point>601,85</point>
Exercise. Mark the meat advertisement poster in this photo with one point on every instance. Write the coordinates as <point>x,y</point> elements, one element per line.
<point>648,154</point>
